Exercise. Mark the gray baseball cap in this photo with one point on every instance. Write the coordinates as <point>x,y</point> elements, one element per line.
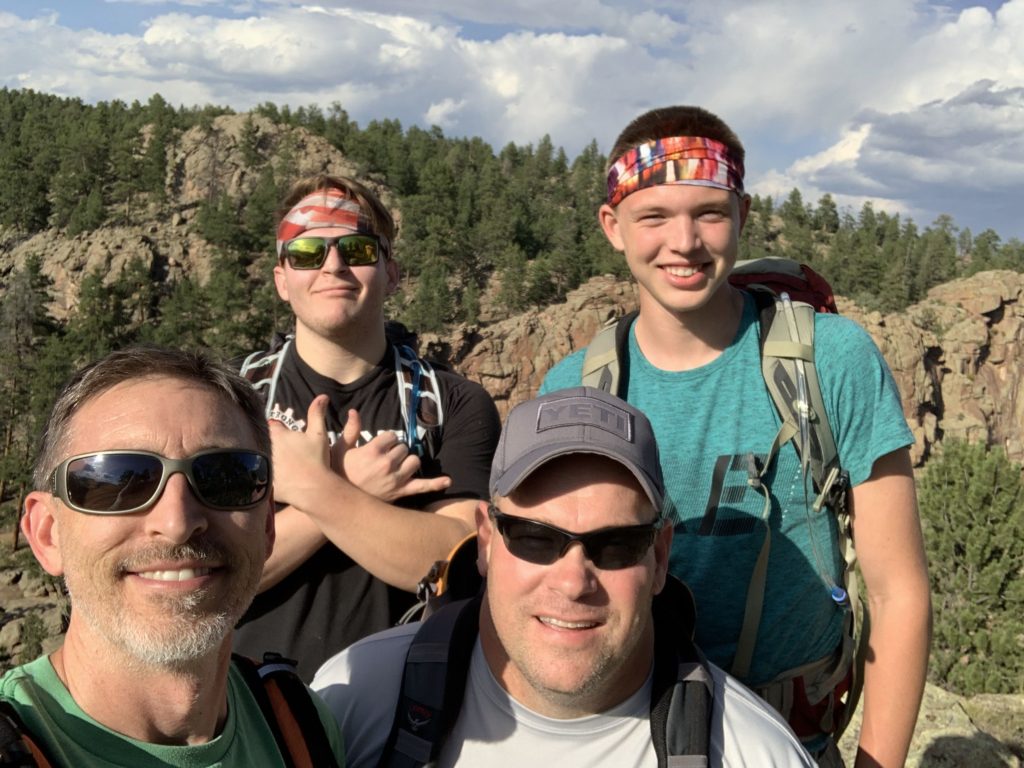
<point>576,420</point>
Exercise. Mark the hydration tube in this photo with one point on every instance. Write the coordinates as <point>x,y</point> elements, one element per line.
<point>803,416</point>
<point>414,406</point>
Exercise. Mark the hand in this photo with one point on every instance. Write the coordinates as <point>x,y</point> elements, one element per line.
<point>383,467</point>
<point>301,458</point>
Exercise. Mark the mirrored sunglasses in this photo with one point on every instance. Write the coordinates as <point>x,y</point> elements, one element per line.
<point>120,482</point>
<point>309,252</point>
<point>607,548</point>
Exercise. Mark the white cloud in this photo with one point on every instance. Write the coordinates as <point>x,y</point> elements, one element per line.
<point>443,113</point>
<point>893,100</point>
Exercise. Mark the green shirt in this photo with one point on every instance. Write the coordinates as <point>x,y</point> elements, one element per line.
<point>75,740</point>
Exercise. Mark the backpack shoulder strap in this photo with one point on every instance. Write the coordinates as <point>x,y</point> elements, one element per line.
<point>790,375</point>
<point>606,361</point>
<point>420,399</point>
<point>682,688</point>
<point>17,747</point>
<point>263,369</point>
<point>288,710</point>
<point>433,685</point>
<point>787,357</point>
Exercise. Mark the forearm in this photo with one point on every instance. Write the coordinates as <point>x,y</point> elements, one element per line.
<point>894,677</point>
<point>891,553</point>
<point>395,544</point>
<point>298,538</point>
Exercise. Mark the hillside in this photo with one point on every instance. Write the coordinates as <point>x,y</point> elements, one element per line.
<point>187,262</point>
<point>955,353</point>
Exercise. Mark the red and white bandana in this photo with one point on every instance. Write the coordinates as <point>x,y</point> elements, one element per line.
<point>329,208</point>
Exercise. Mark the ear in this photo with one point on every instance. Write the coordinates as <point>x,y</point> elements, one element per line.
<point>744,210</point>
<point>484,533</point>
<point>41,530</point>
<point>394,274</point>
<point>662,549</point>
<point>609,221</point>
<point>280,282</point>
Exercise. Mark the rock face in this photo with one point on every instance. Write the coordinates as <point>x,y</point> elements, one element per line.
<point>981,732</point>
<point>957,356</point>
<point>959,361</point>
<point>510,358</point>
<point>202,164</point>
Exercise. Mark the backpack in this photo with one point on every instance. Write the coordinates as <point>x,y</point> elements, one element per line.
<point>283,698</point>
<point>787,296</point>
<point>420,398</point>
<point>437,667</point>
<point>453,578</point>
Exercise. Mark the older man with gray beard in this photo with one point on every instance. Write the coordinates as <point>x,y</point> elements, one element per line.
<point>153,501</point>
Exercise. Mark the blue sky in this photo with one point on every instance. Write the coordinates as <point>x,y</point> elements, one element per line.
<point>917,106</point>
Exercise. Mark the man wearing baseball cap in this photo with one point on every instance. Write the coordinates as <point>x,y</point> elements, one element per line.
<point>579,650</point>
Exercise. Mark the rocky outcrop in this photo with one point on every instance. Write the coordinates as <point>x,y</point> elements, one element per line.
<point>959,361</point>
<point>202,164</point>
<point>206,162</point>
<point>510,358</point>
<point>985,731</point>
<point>957,356</point>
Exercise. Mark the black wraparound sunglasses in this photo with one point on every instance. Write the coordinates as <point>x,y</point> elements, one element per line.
<point>607,548</point>
<point>308,252</point>
<point>120,482</point>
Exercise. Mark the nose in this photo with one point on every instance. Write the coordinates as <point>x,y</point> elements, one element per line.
<point>333,262</point>
<point>573,575</point>
<point>177,515</point>
<point>686,234</point>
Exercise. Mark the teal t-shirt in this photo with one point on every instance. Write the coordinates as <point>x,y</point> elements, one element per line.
<point>708,421</point>
<point>74,739</point>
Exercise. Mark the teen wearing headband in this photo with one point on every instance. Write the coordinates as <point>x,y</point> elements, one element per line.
<point>367,437</point>
<point>676,206</point>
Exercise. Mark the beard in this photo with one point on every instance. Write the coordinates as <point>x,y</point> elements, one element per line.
<point>183,628</point>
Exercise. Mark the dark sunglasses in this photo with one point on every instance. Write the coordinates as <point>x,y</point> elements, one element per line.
<point>309,252</point>
<point>120,482</point>
<point>607,548</point>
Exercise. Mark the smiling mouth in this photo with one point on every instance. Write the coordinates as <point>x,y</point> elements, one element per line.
<point>682,271</point>
<point>550,621</point>
<point>182,574</point>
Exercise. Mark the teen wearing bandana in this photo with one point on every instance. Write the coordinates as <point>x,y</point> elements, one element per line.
<point>675,209</point>
<point>368,497</point>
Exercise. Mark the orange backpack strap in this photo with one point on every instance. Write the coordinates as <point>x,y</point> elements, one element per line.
<point>289,711</point>
<point>17,748</point>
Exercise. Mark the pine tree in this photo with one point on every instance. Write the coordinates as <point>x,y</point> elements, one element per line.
<point>24,326</point>
<point>972,507</point>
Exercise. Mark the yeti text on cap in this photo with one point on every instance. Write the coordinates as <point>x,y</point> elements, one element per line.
<point>576,412</point>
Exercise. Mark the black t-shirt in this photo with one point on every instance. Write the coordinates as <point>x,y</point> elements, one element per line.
<point>329,601</point>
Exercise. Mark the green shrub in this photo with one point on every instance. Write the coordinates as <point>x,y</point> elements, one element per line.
<point>972,509</point>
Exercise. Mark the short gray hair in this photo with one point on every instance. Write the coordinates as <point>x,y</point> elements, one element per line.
<point>138,363</point>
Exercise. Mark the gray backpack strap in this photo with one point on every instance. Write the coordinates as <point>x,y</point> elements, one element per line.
<point>263,370</point>
<point>790,374</point>
<point>605,361</point>
<point>433,686</point>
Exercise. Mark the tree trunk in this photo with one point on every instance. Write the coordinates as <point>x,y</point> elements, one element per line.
<point>16,533</point>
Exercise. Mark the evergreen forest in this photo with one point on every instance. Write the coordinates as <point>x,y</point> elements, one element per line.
<point>482,228</point>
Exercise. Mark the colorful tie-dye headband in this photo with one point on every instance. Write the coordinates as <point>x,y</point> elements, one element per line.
<point>324,208</point>
<point>674,160</point>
